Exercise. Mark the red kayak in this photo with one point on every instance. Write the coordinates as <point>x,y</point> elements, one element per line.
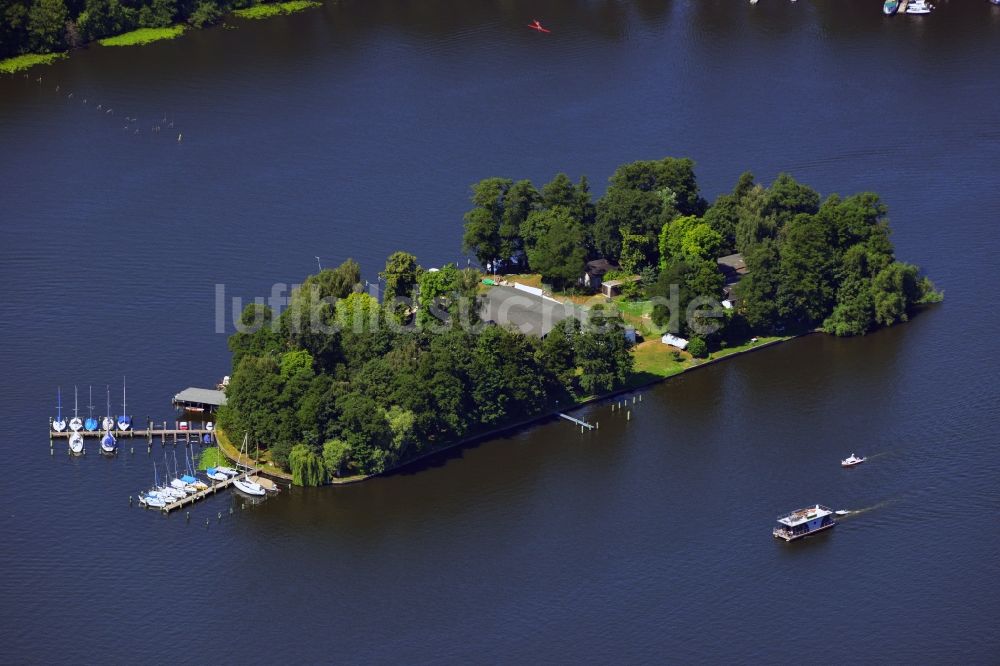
<point>536,25</point>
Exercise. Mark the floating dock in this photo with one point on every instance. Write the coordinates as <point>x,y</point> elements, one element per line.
<point>582,424</point>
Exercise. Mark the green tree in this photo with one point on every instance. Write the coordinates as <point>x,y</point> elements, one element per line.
<point>400,275</point>
<point>638,253</point>
<point>603,355</point>
<point>559,255</point>
<point>47,25</point>
<point>336,457</point>
<point>307,468</point>
<point>697,347</point>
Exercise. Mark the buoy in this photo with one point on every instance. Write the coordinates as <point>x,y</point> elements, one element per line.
<point>188,516</point>
<point>179,137</point>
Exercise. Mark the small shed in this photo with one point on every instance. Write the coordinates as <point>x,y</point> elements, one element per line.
<point>613,288</point>
<point>674,341</point>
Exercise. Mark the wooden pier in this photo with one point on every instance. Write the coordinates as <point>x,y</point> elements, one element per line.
<point>582,424</point>
<point>175,433</point>
<point>211,490</point>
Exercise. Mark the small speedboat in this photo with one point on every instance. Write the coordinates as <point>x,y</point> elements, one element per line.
<point>919,7</point>
<point>249,487</point>
<point>537,25</point>
<point>841,512</point>
<point>889,7</point>
<point>76,443</point>
<point>852,460</point>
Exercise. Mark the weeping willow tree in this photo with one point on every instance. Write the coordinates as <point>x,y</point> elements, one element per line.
<point>307,467</point>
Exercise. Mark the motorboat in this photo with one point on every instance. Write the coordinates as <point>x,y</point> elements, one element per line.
<point>842,512</point>
<point>919,7</point>
<point>889,7</point>
<point>75,423</point>
<point>59,424</point>
<point>537,25</point>
<point>852,460</point>
<point>76,443</point>
<point>249,487</point>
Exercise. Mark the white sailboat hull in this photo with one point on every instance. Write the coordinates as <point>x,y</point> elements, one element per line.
<point>59,426</point>
<point>249,487</point>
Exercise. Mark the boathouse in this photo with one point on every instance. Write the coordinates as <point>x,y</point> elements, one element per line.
<point>200,399</point>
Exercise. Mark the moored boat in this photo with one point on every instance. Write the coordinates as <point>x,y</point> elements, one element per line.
<point>852,460</point>
<point>889,7</point>
<point>108,443</point>
<point>90,424</point>
<point>75,423</point>
<point>249,487</point>
<point>76,443</point>
<point>215,474</point>
<point>124,420</point>
<point>59,424</point>
<point>919,7</point>
<point>803,522</point>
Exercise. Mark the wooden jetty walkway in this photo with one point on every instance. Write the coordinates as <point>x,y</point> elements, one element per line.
<point>211,490</point>
<point>582,424</point>
<point>152,430</point>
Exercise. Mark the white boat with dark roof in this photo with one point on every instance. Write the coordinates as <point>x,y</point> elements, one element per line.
<point>803,522</point>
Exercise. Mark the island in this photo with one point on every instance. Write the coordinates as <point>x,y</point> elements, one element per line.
<point>575,300</point>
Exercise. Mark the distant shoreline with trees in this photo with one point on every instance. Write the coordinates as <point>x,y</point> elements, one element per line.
<point>344,385</point>
<point>35,32</point>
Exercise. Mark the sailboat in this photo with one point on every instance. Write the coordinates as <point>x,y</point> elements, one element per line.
<point>190,477</point>
<point>59,424</point>
<point>75,423</point>
<point>109,444</point>
<point>124,421</point>
<point>76,443</point>
<point>108,422</point>
<point>91,423</point>
<point>158,493</point>
<point>179,483</point>
<point>246,485</point>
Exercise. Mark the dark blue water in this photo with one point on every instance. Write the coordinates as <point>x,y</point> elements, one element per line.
<point>354,131</point>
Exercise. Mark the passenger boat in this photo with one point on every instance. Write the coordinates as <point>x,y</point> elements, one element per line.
<point>919,7</point>
<point>803,522</point>
<point>852,460</point>
<point>889,7</point>
<point>59,424</point>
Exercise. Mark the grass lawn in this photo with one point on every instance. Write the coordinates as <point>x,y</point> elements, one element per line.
<point>21,62</point>
<point>274,9</point>
<point>143,36</point>
<point>745,346</point>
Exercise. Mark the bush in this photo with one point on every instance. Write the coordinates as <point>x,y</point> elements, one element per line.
<point>698,348</point>
<point>676,355</point>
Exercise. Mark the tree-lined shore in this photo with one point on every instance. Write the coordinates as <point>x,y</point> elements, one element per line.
<point>343,383</point>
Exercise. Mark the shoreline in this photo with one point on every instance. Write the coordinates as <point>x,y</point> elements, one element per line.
<point>142,36</point>
<point>226,446</point>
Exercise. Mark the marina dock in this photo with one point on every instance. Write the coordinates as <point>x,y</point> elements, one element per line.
<point>211,490</point>
<point>582,424</point>
<point>195,432</point>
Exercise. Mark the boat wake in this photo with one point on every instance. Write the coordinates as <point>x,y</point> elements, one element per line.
<point>850,513</point>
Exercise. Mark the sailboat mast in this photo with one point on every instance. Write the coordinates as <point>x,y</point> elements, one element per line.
<point>59,403</point>
<point>74,401</point>
<point>123,396</point>
<point>91,400</point>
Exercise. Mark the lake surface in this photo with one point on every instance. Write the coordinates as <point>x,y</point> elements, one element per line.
<point>355,130</point>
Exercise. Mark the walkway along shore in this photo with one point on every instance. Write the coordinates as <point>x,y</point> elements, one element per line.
<point>230,451</point>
